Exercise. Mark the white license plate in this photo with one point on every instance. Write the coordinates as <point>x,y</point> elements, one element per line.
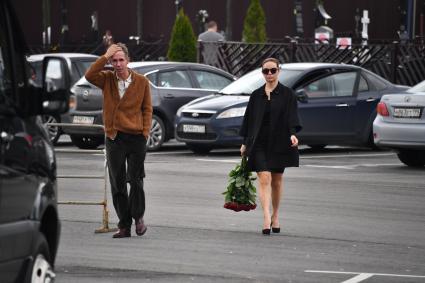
<point>194,129</point>
<point>407,112</point>
<point>83,120</point>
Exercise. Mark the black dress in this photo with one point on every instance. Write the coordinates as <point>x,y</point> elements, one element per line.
<point>261,151</point>
<point>266,129</point>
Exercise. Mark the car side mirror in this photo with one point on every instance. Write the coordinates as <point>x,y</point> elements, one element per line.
<point>301,95</point>
<point>56,84</point>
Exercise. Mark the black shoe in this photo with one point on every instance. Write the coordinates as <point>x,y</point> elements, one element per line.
<point>140,227</point>
<point>276,230</point>
<point>122,233</point>
<point>266,231</point>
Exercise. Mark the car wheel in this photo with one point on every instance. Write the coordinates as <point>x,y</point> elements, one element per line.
<point>413,158</point>
<point>317,146</point>
<point>53,131</point>
<point>156,135</point>
<point>86,142</point>
<point>42,269</point>
<point>199,148</point>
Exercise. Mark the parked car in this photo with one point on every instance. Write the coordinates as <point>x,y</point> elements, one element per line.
<point>77,64</point>
<point>29,222</point>
<point>336,106</point>
<point>172,85</point>
<point>400,125</point>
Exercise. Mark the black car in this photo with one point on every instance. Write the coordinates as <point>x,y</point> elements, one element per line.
<point>172,85</point>
<point>337,106</point>
<point>77,63</point>
<point>29,222</point>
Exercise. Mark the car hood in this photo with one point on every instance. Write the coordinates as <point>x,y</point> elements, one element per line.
<point>217,102</point>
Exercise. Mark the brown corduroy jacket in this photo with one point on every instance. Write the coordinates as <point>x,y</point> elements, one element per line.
<point>130,114</point>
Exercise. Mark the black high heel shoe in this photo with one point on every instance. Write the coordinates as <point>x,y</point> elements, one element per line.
<point>274,229</point>
<point>266,231</point>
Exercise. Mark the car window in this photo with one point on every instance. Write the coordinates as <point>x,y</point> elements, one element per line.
<point>209,80</point>
<point>5,80</point>
<point>75,76</point>
<point>377,82</point>
<point>153,78</point>
<point>254,79</point>
<point>340,84</point>
<point>175,78</point>
<point>420,87</point>
<point>363,85</point>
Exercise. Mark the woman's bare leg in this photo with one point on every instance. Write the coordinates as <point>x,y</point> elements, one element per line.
<point>276,185</point>
<point>265,178</point>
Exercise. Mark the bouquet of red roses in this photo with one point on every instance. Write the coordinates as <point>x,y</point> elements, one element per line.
<point>240,193</point>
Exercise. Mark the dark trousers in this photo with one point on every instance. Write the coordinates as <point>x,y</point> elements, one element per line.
<point>131,149</point>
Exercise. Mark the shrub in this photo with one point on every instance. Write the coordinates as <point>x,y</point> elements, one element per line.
<point>182,47</point>
<point>254,30</point>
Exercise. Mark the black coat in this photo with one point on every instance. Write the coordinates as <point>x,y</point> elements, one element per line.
<point>284,122</point>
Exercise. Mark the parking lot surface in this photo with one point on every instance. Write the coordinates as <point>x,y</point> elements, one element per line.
<point>347,215</point>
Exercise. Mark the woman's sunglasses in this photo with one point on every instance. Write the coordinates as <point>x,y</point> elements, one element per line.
<point>266,71</point>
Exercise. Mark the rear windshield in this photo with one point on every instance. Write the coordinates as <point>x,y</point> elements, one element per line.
<point>255,79</point>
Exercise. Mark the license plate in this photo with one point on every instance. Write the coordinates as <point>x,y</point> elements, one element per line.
<point>407,112</point>
<point>194,129</point>
<point>83,120</point>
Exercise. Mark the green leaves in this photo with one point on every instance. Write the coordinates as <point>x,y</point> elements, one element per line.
<point>241,192</point>
<point>183,41</point>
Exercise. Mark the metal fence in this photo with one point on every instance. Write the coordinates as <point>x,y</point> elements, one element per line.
<point>399,63</point>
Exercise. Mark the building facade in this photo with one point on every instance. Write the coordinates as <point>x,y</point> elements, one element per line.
<point>82,21</point>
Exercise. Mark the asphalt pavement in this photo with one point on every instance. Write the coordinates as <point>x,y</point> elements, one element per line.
<point>347,215</point>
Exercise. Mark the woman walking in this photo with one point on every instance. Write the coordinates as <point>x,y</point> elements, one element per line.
<point>269,127</point>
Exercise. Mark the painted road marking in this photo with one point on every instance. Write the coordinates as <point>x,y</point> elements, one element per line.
<point>361,276</point>
<point>347,167</point>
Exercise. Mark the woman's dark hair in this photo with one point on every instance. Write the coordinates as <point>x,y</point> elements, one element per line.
<point>270,59</point>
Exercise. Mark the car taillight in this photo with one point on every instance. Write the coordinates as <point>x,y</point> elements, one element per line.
<point>72,102</point>
<point>382,109</point>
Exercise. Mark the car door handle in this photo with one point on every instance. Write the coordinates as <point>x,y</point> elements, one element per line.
<point>342,105</point>
<point>370,99</point>
<point>169,95</point>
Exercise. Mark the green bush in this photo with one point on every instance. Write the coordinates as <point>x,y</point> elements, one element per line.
<point>182,46</point>
<point>254,29</point>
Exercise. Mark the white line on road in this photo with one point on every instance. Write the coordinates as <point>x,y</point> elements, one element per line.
<point>350,167</point>
<point>360,276</point>
<point>347,155</point>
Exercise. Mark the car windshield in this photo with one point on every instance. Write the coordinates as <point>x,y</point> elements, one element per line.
<point>420,87</point>
<point>254,79</point>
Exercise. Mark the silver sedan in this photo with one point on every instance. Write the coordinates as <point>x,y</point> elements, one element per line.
<point>400,125</point>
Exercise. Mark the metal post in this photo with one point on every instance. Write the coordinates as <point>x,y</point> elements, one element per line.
<point>394,61</point>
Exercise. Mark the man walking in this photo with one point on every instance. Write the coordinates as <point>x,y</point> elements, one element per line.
<point>127,117</point>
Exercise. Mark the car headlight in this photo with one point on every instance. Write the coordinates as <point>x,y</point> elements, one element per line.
<point>232,113</point>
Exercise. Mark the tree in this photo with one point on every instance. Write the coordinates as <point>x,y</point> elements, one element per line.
<point>182,47</point>
<point>254,30</point>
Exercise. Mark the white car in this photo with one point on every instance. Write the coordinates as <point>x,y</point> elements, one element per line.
<point>400,125</point>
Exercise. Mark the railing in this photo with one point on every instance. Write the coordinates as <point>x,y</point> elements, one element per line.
<point>105,214</point>
<point>398,63</point>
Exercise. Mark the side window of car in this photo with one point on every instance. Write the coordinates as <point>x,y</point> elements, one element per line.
<point>175,78</point>
<point>363,85</point>
<point>209,80</point>
<point>5,80</point>
<point>320,88</point>
<point>340,84</point>
<point>75,75</point>
<point>377,83</point>
<point>153,78</point>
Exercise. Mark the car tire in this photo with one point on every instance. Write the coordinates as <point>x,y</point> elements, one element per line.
<point>83,142</point>
<point>54,131</point>
<point>412,158</point>
<point>316,146</point>
<point>156,135</point>
<point>199,148</point>
<point>42,267</point>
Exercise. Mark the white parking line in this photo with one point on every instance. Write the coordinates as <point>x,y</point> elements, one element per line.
<point>361,276</point>
<point>350,167</point>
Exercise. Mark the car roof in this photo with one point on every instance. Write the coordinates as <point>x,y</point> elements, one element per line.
<point>315,65</point>
<point>152,65</point>
<point>39,57</point>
